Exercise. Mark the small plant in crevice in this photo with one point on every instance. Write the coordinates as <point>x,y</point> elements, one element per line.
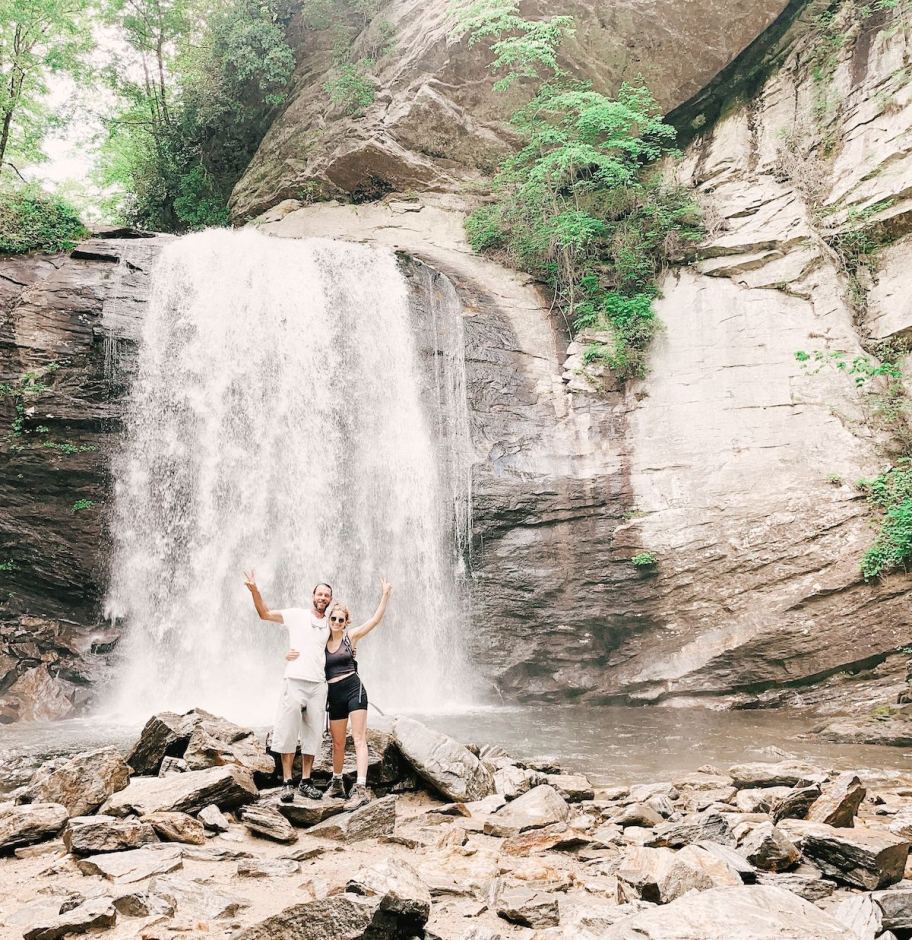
<point>351,89</point>
<point>82,504</point>
<point>644,560</point>
<point>8,566</point>
<point>890,492</point>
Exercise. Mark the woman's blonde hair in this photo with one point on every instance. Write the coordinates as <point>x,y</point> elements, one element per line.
<point>343,608</point>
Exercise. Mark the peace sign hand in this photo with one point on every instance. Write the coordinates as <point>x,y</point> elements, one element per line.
<point>250,580</point>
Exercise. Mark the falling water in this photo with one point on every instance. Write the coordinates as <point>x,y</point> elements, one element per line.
<point>280,420</point>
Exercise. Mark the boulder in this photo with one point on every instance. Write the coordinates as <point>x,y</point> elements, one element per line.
<point>525,906</point>
<point>143,904</point>
<point>811,887</point>
<point>213,819</point>
<point>661,876</point>
<point>794,804</point>
<point>759,800</point>
<point>838,802</point>
<point>450,768</point>
<point>400,889</point>
<point>30,822</point>
<point>216,743</point>
<point>265,821</point>
<point>227,787</point>
<point>304,812</point>
<point>202,900</point>
<point>896,907</point>
<point>733,859</point>
<point>708,826</point>
<point>864,858</point>
<point>166,733</point>
<point>861,916</point>
<point>385,765</point>
<point>556,838</point>
<point>267,867</point>
<point>638,814</point>
<point>176,827</point>
<point>133,865</point>
<point>337,917</point>
<point>82,783</point>
<point>766,847</point>
<point>783,774</point>
<point>369,822</point>
<point>93,914</point>
<point>748,912</point>
<point>541,806</point>
<point>640,873</point>
<point>172,765</point>
<point>512,781</point>
<point>89,835</point>
<point>574,788</point>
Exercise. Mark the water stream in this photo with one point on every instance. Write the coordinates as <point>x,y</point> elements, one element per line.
<point>279,420</point>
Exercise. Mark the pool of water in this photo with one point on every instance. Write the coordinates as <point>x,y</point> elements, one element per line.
<point>610,744</point>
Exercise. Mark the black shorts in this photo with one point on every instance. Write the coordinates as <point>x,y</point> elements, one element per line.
<point>345,696</point>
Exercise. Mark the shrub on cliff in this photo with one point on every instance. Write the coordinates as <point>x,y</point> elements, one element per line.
<point>891,492</point>
<point>32,220</point>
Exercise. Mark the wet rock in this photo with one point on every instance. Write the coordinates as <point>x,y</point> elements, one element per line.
<point>201,900</point>
<point>267,867</point>
<point>28,823</point>
<point>90,835</point>
<point>213,819</point>
<point>838,802</point>
<point>176,827</point>
<point>93,914</point>
<point>709,826</point>
<point>266,821</point>
<point>861,916</point>
<point>783,774</point>
<point>794,804</point>
<point>638,814</point>
<point>525,906</point>
<point>369,822</point>
<point>768,848</point>
<point>304,812</point>
<point>133,865</point>
<point>227,787</point>
<point>758,912</point>
<point>541,806</point>
<point>338,917</point>
<point>574,788</point>
<point>450,768</point>
<point>864,858</point>
<point>400,889</point>
<point>143,904</point>
<point>82,783</point>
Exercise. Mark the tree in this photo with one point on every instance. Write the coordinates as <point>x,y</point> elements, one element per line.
<point>37,38</point>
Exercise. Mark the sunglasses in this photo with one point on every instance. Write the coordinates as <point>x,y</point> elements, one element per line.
<point>337,619</point>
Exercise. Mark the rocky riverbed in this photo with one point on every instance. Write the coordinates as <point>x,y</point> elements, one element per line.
<point>184,837</point>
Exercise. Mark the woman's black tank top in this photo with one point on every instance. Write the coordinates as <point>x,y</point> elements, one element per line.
<point>342,661</point>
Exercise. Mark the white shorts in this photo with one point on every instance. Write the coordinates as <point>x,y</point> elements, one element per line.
<point>300,717</point>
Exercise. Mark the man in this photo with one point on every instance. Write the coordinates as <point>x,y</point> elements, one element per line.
<point>301,714</point>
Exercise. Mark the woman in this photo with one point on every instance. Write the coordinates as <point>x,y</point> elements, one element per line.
<point>347,697</point>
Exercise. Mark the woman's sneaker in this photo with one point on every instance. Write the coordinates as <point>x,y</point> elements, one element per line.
<point>288,792</point>
<point>336,790</point>
<point>359,796</point>
<point>307,789</point>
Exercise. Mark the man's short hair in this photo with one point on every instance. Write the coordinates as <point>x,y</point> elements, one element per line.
<point>323,584</point>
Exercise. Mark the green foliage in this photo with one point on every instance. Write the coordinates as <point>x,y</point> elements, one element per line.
<point>891,492</point>
<point>214,74</point>
<point>81,504</point>
<point>8,566</point>
<point>644,560</point>
<point>351,89</point>
<point>32,220</point>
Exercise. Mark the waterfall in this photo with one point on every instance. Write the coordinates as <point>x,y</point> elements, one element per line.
<point>282,418</point>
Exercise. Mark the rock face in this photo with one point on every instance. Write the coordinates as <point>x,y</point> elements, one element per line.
<point>436,123</point>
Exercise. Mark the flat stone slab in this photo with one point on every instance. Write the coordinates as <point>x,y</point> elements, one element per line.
<point>30,822</point>
<point>93,914</point>
<point>304,812</point>
<point>227,787</point>
<point>134,865</point>
<point>94,835</point>
<point>541,806</point>
<point>202,900</point>
<point>369,822</point>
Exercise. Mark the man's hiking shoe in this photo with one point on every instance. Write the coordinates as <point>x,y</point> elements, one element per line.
<point>307,789</point>
<point>336,790</point>
<point>288,792</point>
<point>359,796</point>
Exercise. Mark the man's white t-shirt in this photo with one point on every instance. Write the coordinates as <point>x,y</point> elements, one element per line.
<point>308,635</point>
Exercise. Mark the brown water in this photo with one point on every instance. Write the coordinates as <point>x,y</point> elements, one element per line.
<point>610,744</point>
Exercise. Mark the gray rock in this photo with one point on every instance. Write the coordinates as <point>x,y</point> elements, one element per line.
<point>166,733</point>
<point>768,848</point>
<point>133,865</point>
<point>176,827</point>
<point>733,859</point>
<point>143,904</point>
<point>640,872</point>
<point>93,914</point>
<point>838,802</point>
<point>267,867</point>
<point>512,781</point>
<point>216,743</point>
<point>574,788</point>
<point>896,906</point>
<point>661,876</point>
<point>811,887</point>
<point>266,821</point>
<point>709,826</point>
<point>338,917</point>
<point>638,814</point>
<point>525,906</point>
<point>213,819</point>
<point>304,812</point>
<point>794,804</point>
<point>861,915</point>
<point>369,822</point>
<point>445,764</point>
<point>31,822</point>
<point>541,806</point>
<point>400,889</point>
<point>227,787</point>
<point>82,783</point>
<point>759,800</point>
<point>89,835</point>
<point>196,898</point>
<point>172,765</point>
<point>864,858</point>
<point>748,912</point>
<point>783,774</point>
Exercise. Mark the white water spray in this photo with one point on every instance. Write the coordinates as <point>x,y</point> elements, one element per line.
<point>280,419</point>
